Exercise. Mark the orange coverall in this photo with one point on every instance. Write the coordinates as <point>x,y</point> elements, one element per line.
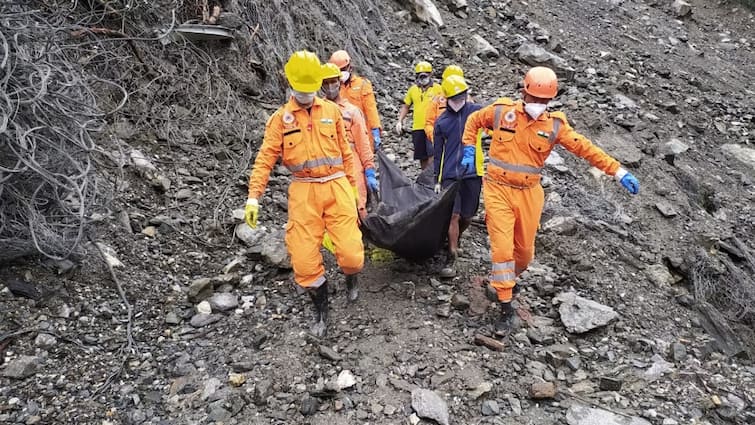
<point>358,91</point>
<point>512,192</point>
<point>314,147</point>
<point>357,134</point>
<point>436,107</point>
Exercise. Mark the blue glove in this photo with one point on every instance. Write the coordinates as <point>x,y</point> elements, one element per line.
<point>630,183</point>
<point>376,137</point>
<point>372,182</point>
<point>467,162</point>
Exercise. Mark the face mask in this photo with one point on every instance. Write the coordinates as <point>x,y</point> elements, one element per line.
<point>457,102</point>
<point>345,76</point>
<point>331,91</point>
<point>304,99</point>
<point>535,109</point>
<point>423,80</point>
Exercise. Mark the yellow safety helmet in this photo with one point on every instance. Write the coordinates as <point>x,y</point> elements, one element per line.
<point>330,70</point>
<point>423,67</point>
<point>304,72</point>
<point>454,85</point>
<point>453,70</point>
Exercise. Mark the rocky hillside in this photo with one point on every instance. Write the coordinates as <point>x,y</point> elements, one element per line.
<point>641,306</point>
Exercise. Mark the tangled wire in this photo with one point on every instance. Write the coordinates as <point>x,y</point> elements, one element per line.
<point>48,113</point>
<point>729,287</point>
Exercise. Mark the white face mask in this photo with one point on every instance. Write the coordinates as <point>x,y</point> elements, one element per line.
<point>535,109</point>
<point>304,99</point>
<point>345,76</point>
<point>456,104</point>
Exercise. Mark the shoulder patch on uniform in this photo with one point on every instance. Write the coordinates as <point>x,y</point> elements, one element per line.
<point>504,101</point>
<point>510,116</point>
<point>559,116</point>
<point>288,117</point>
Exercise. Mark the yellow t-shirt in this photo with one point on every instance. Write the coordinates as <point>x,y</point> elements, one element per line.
<point>420,99</point>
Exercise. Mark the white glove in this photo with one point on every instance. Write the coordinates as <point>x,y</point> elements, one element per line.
<point>399,128</point>
<point>436,189</point>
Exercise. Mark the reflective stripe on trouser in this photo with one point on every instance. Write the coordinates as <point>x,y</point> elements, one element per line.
<point>513,217</point>
<point>312,208</point>
<point>361,182</point>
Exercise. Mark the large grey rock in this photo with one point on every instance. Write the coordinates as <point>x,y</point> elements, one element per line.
<point>275,251</point>
<point>201,320</point>
<point>743,154</point>
<point>581,315</point>
<point>674,147</point>
<point>583,415</point>
<point>430,405</point>
<point>534,55</point>
<point>681,8</point>
<point>224,301</point>
<point>659,275</point>
<point>427,11</point>
<point>22,367</point>
<point>199,290</point>
<point>490,408</point>
<point>483,48</point>
<point>621,148</point>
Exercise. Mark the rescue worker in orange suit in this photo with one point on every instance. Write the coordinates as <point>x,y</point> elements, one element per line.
<point>418,97</point>
<point>448,151</point>
<point>523,135</point>
<point>438,104</point>
<point>309,134</point>
<point>356,133</point>
<point>358,90</point>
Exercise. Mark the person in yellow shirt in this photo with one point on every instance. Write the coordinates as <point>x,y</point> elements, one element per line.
<point>419,97</point>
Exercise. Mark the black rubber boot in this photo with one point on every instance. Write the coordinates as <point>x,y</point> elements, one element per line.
<point>320,300</point>
<point>505,322</point>
<point>351,287</point>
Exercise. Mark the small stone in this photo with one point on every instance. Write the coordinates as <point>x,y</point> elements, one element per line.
<point>483,48</point>
<point>681,8</point>
<point>201,320</point>
<point>233,265</point>
<point>574,363</point>
<point>659,275</point>
<point>263,390</point>
<point>583,415</point>
<point>150,231</point>
<point>345,380</point>
<point>389,410</point>
<point>427,404</point>
<point>490,408</point>
<point>236,379</point>
<point>172,318</point>
<point>414,419</point>
<point>199,290</point>
<point>460,302</point>
<point>716,400</point>
<point>516,405</point>
<point>33,420</point>
<point>184,194</point>
<point>309,405</point>
<point>204,308</point>
<point>674,147</point>
<point>610,384</point>
<point>444,310</point>
<point>22,367</point>
<point>338,405</point>
<point>45,341</point>
<point>679,352</point>
<point>666,208</point>
<point>224,301</point>
<point>481,390</point>
<point>329,353</point>
<point>542,390</point>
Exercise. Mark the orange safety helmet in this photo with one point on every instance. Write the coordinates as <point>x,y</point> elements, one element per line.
<point>541,82</point>
<point>340,58</point>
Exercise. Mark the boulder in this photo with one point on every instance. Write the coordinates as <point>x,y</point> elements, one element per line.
<point>581,315</point>
<point>583,415</point>
<point>743,154</point>
<point>483,48</point>
<point>427,11</point>
<point>430,405</point>
<point>534,55</point>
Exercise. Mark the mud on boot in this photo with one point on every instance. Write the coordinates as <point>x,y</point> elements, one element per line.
<point>449,269</point>
<point>351,287</point>
<point>505,322</point>
<point>320,304</point>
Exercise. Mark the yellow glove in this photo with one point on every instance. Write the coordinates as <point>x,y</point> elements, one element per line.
<point>251,212</point>
<point>328,243</point>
